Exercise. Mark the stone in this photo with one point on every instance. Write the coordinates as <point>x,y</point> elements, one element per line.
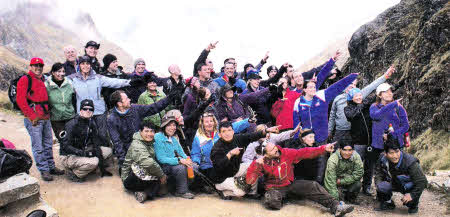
<point>18,187</point>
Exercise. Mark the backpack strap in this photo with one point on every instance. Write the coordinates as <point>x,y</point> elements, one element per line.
<point>30,82</point>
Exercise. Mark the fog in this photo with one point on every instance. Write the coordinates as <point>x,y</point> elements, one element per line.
<point>167,32</point>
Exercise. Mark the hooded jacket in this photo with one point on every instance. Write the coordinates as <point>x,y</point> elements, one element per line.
<point>147,98</point>
<point>361,123</point>
<point>315,117</point>
<point>141,153</point>
<point>279,172</point>
<point>122,126</point>
<point>165,149</point>
<point>348,171</point>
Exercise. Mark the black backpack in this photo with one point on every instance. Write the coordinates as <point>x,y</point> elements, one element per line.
<point>13,162</point>
<point>12,91</point>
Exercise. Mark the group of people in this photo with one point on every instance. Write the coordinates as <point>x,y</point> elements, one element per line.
<point>305,134</point>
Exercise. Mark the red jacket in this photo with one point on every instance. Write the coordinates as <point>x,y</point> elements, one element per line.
<point>279,172</point>
<point>284,119</point>
<point>37,94</point>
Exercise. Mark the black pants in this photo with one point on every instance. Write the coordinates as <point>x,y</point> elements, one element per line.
<point>322,164</point>
<point>351,191</point>
<point>370,160</point>
<point>133,183</point>
<point>58,127</point>
<point>309,190</point>
<point>385,189</point>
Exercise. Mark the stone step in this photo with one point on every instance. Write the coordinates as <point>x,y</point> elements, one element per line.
<point>23,207</point>
<point>18,187</point>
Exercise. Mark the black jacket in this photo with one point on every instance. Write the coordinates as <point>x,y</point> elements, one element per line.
<point>107,91</point>
<point>408,165</point>
<point>225,167</point>
<point>69,68</point>
<point>306,169</point>
<point>361,123</point>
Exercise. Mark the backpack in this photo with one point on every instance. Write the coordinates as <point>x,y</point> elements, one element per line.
<point>12,91</point>
<point>4,143</point>
<point>13,162</point>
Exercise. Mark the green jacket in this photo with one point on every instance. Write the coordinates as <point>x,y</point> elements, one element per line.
<point>146,99</point>
<point>60,99</point>
<point>143,154</point>
<point>348,171</point>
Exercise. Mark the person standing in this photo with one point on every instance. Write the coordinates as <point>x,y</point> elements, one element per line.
<point>34,106</point>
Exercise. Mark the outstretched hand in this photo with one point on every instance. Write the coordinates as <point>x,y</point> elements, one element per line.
<point>330,147</point>
<point>212,46</point>
<point>274,129</point>
<point>266,56</point>
<point>336,56</point>
<point>389,72</point>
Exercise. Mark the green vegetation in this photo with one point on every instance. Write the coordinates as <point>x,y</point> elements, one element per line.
<point>432,147</point>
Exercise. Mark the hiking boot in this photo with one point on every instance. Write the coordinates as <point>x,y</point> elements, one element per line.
<point>57,171</point>
<point>140,196</point>
<point>353,201</point>
<point>37,213</point>
<point>74,178</point>
<point>187,195</point>
<point>343,209</point>
<point>46,176</point>
<point>386,206</point>
<point>367,191</point>
<point>413,210</point>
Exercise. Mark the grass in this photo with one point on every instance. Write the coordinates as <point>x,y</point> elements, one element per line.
<point>432,148</point>
<point>4,101</point>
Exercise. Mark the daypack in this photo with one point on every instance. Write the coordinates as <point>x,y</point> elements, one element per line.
<point>13,162</point>
<point>4,143</point>
<point>12,90</point>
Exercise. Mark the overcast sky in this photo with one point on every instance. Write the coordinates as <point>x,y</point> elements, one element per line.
<point>166,32</point>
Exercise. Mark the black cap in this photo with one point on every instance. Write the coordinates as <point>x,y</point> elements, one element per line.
<point>93,44</point>
<point>108,59</point>
<point>86,102</point>
<point>253,76</point>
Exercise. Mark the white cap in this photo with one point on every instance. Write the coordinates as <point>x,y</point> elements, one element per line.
<point>383,87</point>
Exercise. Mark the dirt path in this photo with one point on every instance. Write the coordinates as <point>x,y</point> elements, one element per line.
<point>105,197</point>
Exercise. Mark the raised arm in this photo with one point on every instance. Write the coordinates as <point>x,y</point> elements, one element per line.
<point>337,88</point>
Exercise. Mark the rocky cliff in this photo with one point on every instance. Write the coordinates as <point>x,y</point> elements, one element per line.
<point>414,36</point>
<point>37,29</point>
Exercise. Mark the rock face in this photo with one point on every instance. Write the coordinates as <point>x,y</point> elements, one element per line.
<point>37,29</point>
<point>414,36</point>
<point>18,187</point>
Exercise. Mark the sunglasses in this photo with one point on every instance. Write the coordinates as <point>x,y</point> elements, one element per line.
<point>208,115</point>
<point>38,65</point>
<point>88,109</point>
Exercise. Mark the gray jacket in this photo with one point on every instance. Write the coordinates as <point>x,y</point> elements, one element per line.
<point>337,117</point>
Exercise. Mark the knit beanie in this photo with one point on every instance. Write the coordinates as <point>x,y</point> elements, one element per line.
<point>108,59</point>
<point>346,141</point>
<point>352,93</point>
<point>137,61</point>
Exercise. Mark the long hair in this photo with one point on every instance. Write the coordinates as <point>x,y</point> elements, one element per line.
<point>201,128</point>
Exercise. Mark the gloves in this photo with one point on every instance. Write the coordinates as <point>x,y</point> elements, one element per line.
<point>148,77</point>
<point>211,99</point>
<point>231,81</point>
<point>273,89</point>
<point>176,92</point>
<point>136,81</point>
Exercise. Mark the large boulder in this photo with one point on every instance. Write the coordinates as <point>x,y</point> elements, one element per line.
<point>413,36</point>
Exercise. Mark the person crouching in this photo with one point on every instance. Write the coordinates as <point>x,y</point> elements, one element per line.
<point>141,173</point>
<point>81,148</point>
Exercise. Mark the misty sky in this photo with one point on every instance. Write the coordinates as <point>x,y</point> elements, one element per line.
<point>165,32</point>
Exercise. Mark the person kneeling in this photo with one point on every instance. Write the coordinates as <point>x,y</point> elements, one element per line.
<point>401,172</point>
<point>344,171</point>
<point>278,170</point>
<point>140,171</point>
<point>81,148</point>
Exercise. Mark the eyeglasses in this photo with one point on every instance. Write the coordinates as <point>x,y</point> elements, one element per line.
<point>207,115</point>
<point>88,109</point>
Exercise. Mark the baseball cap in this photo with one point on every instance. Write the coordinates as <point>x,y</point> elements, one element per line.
<point>36,61</point>
<point>93,44</point>
<point>383,87</point>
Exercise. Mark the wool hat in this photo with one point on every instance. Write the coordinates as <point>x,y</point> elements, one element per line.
<point>307,132</point>
<point>352,93</point>
<point>252,74</point>
<point>137,61</point>
<point>83,59</point>
<point>86,102</point>
<point>383,87</point>
<point>346,141</point>
<point>108,59</point>
<point>270,68</point>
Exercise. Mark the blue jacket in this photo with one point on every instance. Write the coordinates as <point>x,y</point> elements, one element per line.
<point>91,88</point>
<point>239,83</point>
<point>165,149</point>
<point>382,116</point>
<point>202,145</point>
<point>316,116</point>
<point>122,126</point>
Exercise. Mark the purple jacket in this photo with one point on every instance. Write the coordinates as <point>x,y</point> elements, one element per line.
<point>238,108</point>
<point>382,116</point>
